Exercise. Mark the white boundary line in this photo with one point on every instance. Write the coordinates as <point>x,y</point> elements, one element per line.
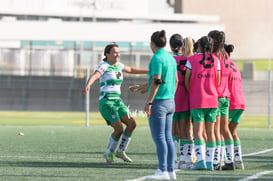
<point>259,152</point>
<point>256,176</point>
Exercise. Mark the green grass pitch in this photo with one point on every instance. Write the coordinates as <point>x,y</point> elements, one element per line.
<point>57,146</point>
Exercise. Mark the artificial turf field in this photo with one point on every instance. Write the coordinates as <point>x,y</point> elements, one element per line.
<point>57,146</point>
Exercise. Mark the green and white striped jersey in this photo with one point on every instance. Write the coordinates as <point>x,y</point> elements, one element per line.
<point>110,80</point>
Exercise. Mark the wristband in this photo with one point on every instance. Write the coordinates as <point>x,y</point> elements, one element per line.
<point>149,103</point>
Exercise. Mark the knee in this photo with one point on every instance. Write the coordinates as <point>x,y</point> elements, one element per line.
<point>132,124</point>
<point>224,130</point>
<point>118,131</point>
<point>210,132</point>
<point>234,134</point>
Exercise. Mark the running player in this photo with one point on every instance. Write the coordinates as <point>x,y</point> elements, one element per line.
<point>201,80</point>
<point>111,107</point>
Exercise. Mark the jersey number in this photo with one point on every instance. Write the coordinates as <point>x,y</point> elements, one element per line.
<point>118,75</point>
<point>206,66</point>
<point>181,65</point>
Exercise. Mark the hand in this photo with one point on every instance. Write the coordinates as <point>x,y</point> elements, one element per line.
<point>85,90</point>
<point>147,109</point>
<point>134,88</point>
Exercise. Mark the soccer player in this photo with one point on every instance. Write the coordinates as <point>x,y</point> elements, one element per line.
<point>182,125</point>
<point>223,94</point>
<point>111,107</point>
<point>201,80</point>
<point>236,107</point>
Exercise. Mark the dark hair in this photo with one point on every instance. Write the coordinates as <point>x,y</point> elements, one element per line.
<point>195,46</point>
<point>159,38</point>
<point>108,49</point>
<point>229,48</point>
<point>176,42</point>
<point>205,44</point>
<point>218,41</point>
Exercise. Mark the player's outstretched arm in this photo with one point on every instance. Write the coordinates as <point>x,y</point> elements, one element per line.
<point>90,81</point>
<point>135,70</point>
<point>143,88</point>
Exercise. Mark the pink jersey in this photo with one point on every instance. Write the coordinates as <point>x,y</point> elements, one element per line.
<point>237,98</point>
<point>203,82</point>
<point>181,95</point>
<point>223,90</point>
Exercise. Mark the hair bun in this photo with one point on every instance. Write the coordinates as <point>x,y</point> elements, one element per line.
<point>162,33</point>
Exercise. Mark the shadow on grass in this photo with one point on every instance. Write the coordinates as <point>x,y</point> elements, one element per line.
<point>101,153</point>
<point>44,164</point>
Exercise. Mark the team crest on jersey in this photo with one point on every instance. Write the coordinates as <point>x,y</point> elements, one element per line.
<point>113,116</point>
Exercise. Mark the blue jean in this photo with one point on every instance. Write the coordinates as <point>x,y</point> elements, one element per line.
<point>160,122</point>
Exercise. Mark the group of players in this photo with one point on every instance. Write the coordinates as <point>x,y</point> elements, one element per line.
<point>209,103</point>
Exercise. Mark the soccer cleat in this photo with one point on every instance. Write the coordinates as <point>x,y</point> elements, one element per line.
<point>159,175</point>
<point>239,165</point>
<point>209,166</point>
<point>109,158</point>
<point>228,166</point>
<point>172,175</point>
<point>124,157</point>
<point>217,166</point>
<point>201,165</point>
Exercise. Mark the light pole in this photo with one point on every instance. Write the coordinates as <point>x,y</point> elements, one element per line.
<point>82,4</point>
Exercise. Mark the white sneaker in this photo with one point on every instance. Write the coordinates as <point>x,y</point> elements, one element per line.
<point>172,175</point>
<point>159,175</point>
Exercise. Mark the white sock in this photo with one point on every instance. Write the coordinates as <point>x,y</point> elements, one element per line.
<point>111,146</point>
<point>200,152</point>
<point>222,153</point>
<point>217,155</point>
<point>237,153</point>
<point>183,152</point>
<point>210,154</point>
<point>229,153</point>
<point>125,140</point>
<point>190,153</point>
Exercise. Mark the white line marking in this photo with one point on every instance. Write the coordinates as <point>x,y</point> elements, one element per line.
<point>138,179</point>
<point>259,152</point>
<point>256,176</point>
